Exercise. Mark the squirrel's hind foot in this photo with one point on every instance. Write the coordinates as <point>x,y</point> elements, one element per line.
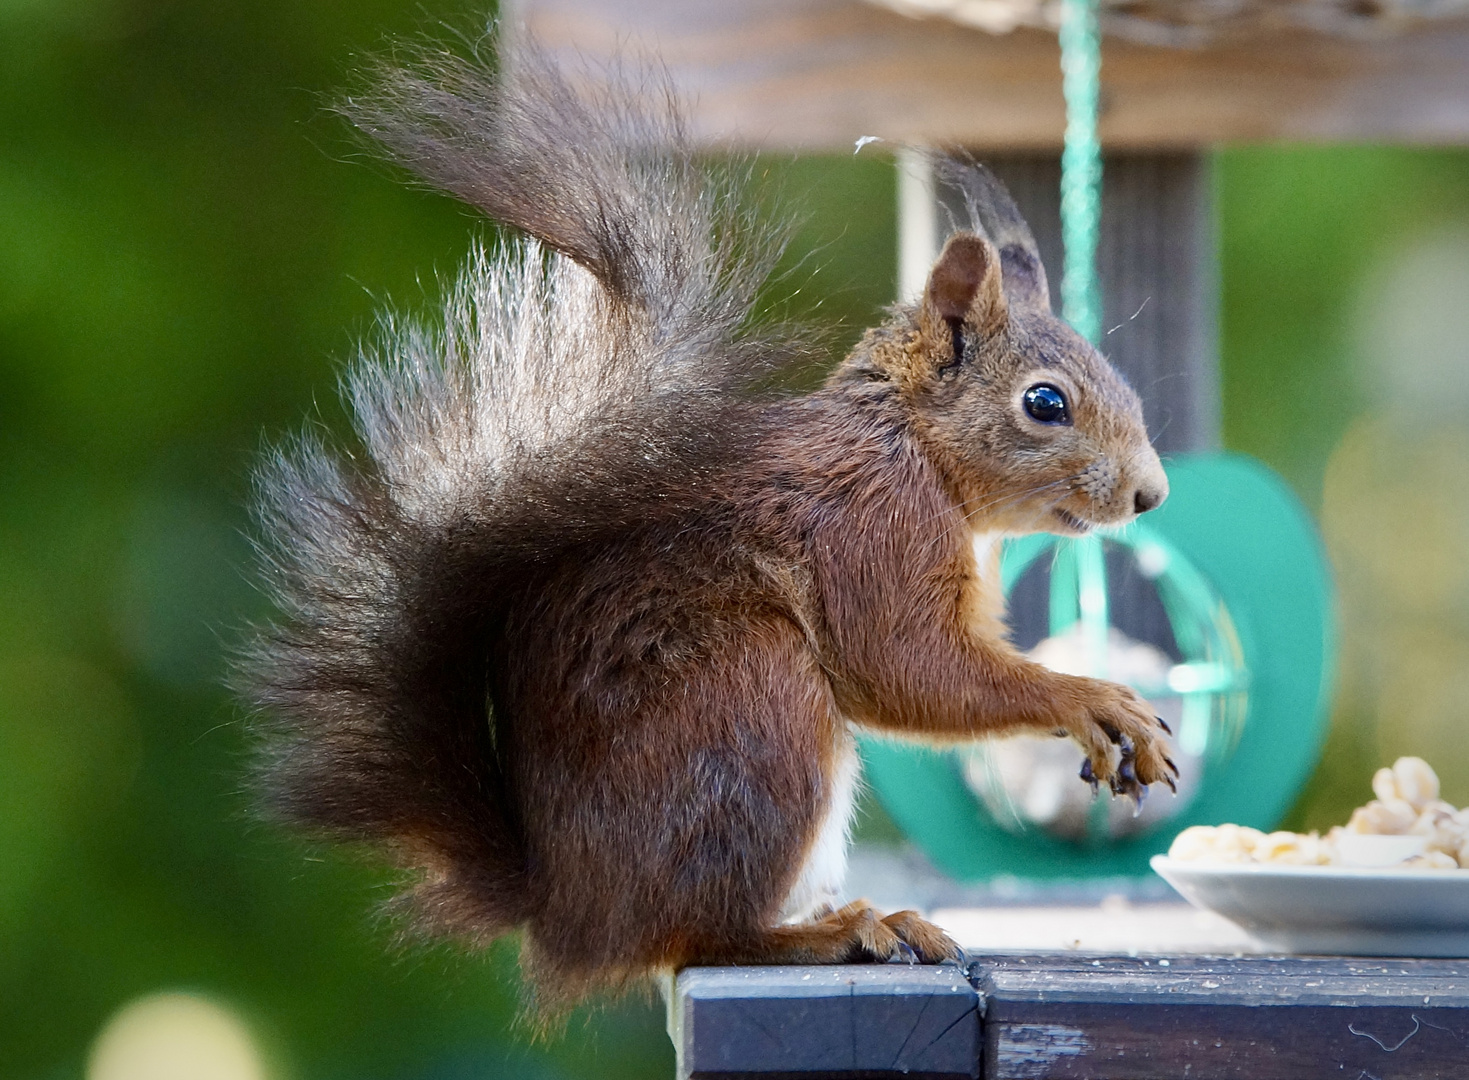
<point>855,934</point>
<point>931,944</point>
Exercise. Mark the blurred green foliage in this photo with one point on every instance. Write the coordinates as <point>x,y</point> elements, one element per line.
<point>1303,232</point>
<point>1301,229</point>
<point>187,253</point>
<point>189,247</point>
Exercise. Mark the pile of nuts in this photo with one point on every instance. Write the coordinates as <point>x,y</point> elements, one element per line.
<point>1433,834</point>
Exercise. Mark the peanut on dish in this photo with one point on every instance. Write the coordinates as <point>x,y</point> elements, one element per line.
<point>1411,779</point>
<point>1383,817</point>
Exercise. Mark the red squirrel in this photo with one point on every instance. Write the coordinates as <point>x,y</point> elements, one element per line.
<point>580,633</point>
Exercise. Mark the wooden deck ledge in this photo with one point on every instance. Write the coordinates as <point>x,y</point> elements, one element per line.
<point>1075,1015</point>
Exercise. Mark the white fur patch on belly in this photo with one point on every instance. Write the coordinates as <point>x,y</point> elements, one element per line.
<point>820,882</point>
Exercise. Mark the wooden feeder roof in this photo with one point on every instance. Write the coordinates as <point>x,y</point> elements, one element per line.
<point>818,74</point>
<point>1194,24</point>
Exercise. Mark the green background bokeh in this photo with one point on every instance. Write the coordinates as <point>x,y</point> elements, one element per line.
<point>188,250</point>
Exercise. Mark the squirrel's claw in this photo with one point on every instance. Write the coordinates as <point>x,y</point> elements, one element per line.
<point>1089,775</point>
<point>1086,771</point>
<point>1139,796</point>
<point>1164,725</point>
<point>1127,769</point>
<point>960,957</point>
<point>1126,781</point>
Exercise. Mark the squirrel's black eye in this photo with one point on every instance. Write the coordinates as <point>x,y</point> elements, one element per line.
<point>1047,404</point>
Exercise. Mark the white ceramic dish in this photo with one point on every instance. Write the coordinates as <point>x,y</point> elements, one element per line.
<point>1333,910</point>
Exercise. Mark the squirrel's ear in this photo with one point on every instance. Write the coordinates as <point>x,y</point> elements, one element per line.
<point>1025,278</point>
<point>994,215</point>
<point>964,285</point>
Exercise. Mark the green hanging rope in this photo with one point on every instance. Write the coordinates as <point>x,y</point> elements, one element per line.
<point>1081,167</point>
<point>1084,590</point>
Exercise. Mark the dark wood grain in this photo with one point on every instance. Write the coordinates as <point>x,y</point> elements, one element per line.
<point>851,1022</point>
<point>1105,1018</point>
<point>1256,1018</point>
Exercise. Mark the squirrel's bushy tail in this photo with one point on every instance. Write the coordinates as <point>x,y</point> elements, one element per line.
<point>579,381</point>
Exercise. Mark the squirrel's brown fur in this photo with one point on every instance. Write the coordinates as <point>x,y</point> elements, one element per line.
<point>581,634</point>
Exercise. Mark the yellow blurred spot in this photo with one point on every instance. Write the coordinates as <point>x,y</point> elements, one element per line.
<point>1395,514</point>
<point>1395,511</point>
<point>174,1036</point>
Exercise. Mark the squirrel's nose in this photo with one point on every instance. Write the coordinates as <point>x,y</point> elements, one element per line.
<point>1148,497</point>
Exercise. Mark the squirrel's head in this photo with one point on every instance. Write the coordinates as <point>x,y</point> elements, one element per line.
<point>1031,426</point>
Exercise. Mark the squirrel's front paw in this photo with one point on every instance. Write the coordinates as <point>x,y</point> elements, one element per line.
<point>1123,740</point>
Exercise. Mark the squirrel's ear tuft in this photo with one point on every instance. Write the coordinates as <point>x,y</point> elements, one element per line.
<point>964,284</point>
<point>994,215</point>
<point>1025,278</point>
